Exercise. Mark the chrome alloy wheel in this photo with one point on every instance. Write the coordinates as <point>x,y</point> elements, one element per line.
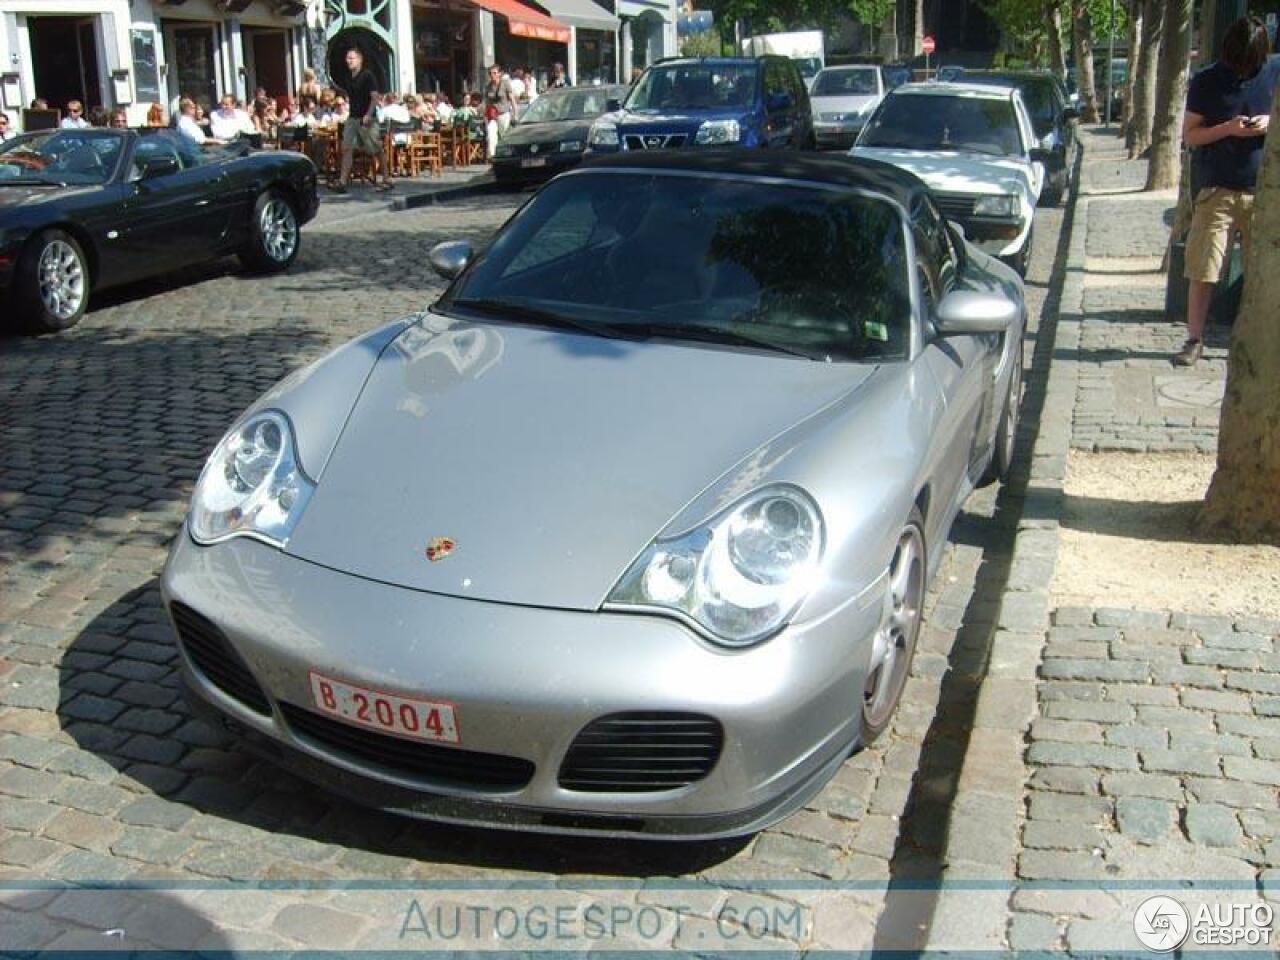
<point>61,278</point>
<point>1010,437</point>
<point>896,638</point>
<point>279,229</point>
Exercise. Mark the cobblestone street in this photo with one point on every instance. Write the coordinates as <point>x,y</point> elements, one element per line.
<point>106,779</point>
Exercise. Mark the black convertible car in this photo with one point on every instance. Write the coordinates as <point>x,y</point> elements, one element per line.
<point>85,209</point>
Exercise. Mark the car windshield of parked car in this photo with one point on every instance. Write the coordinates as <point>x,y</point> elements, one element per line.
<point>79,157</point>
<point>808,66</point>
<point>740,262</point>
<point>695,86</point>
<point>555,106</point>
<point>1037,93</point>
<point>970,124</point>
<point>845,83</point>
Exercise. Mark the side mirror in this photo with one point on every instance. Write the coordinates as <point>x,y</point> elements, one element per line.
<point>450,258</point>
<point>1040,155</point>
<point>969,312</point>
<point>612,104</point>
<point>1070,113</point>
<point>158,166</point>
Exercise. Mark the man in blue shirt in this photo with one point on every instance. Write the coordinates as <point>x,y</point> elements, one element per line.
<point>1227,116</point>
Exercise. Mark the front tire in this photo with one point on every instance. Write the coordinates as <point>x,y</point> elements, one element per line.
<point>895,640</point>
<point>1022,259</point>
<point>274,234</point>
<point>51,285</point>
<point>1007,431</point>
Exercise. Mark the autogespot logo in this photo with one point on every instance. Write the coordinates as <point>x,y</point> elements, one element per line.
<point>1161,924</point>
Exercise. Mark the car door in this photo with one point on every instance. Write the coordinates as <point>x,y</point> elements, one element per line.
<point>962,365</point>
<point>779,105</point>
<point>1027,134</point>
<point>175,217</point>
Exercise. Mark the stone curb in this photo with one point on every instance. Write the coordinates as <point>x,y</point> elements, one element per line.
<point>483,186</point>
<point>993,772</point>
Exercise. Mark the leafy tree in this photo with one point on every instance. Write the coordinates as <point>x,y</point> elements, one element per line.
<point>701,45</point>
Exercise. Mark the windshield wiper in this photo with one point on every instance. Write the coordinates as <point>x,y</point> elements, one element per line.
<point>680,331</point>
<point>518,310</point>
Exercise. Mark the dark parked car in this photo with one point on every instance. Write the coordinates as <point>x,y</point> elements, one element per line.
<point>715,101</point>
<point>85,209</point>
<point>1052,117</point>
<point>551,135</point>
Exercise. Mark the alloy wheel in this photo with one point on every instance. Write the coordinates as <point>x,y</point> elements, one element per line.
<point>61,277</point>
<point>896,638</point>
<point>279,229</point>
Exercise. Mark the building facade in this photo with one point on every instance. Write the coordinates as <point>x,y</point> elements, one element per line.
<point>135,53</point>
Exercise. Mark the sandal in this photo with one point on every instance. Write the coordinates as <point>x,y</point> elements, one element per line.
<point>337,187</point>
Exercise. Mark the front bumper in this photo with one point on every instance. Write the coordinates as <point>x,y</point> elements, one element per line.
<point>518,169</point>
<point>833,135</point>
<point>525,683</point>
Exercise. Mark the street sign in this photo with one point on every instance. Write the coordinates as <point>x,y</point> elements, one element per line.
<point>928,46</point>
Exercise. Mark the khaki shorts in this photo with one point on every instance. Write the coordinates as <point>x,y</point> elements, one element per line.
<point>356,136</point>
<point>1217,215</point>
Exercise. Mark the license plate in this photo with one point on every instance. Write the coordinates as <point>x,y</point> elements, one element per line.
<point>385,712</point>
<point>533,162</point>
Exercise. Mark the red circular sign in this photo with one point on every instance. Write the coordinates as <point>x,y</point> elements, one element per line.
<point>927,45</point>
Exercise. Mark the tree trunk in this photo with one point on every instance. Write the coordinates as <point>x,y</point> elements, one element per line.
<point>889,38</point>
<point>1244,497</point>
<point>1053,27</point>
<point>1082,31</point>
<point>1137,137</point>
<point>1135,54</point>
<point>1171,95</point>
<point>917,45</point>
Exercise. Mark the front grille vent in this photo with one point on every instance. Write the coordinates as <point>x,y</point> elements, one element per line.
<point>212,654</point>
<point>654,141</point>
<point>634,752</point>
<point>954,207</point>
<point>465,768</point>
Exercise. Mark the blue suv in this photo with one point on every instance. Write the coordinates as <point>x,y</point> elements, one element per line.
<point>712,101</point>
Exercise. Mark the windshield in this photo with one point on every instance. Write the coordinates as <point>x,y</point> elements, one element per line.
<point>61,156</point>
<point>808,66</point>
<point>845,83</point>
<point>798,270</point>
<point>936,122</point>
<point>1037,94</point>
<point>556,106</point>
<point>695,86</point>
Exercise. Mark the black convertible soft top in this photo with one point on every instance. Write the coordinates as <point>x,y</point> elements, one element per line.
<point>834,169</point>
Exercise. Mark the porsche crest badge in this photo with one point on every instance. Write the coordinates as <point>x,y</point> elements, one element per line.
<point>439,548</point>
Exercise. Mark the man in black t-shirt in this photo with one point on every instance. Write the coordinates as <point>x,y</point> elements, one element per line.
<point>360,131</point>
<point>1228,112</point>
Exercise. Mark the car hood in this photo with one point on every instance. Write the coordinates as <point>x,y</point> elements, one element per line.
<point>523,133</point>
<point>949,171</point>
<point>549,459</point>
<point>852,104</point>
<point>20,196</point>
<point>688,121</point>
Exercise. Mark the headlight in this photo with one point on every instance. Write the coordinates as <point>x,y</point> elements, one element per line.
<point>570,146</point>
<point>504,150</point>
<point>251,485</point>
<point>718,131</point>
<point>603,135</point>
<point>1000,205</point>
<point>741,575</point>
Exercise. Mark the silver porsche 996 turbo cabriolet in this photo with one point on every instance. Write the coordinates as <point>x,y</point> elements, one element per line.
<point>629,532</point>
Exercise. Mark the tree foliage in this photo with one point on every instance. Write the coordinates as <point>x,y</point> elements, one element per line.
<point>1025,23</point>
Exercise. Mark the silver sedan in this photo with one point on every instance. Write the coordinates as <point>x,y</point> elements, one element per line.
<point>629,532</point>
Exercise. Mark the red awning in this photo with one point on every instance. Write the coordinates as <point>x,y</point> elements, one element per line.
<point>526,21</point>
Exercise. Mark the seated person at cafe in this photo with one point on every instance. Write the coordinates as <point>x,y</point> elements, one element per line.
<point>391,110</point>
<point>155,116</point>
<point>74,119</point>
<point>444,109</point>
<point>229,121</point>
<point>119,120</point>
<point>188,125</point>
<point>306,115</point>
